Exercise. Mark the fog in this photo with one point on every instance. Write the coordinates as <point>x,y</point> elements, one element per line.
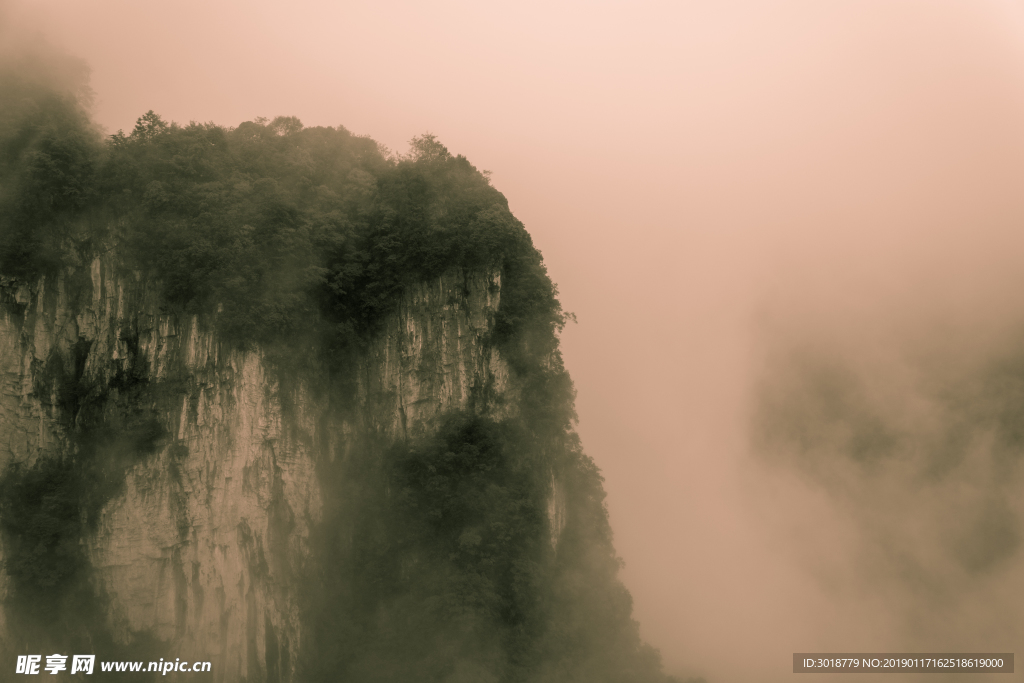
<point>791,233</point>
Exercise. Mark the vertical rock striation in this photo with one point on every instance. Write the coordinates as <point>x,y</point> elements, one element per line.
<point>202,545</point>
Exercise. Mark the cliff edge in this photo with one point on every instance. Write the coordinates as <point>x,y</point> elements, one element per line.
<point>274,399</point>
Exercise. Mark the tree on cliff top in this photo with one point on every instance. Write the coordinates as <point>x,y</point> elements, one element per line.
<point>280,234</point>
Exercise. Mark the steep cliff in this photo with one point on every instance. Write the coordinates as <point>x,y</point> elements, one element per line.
<point>197,547</point>
<point>273,399</point>
<point>201,550</point>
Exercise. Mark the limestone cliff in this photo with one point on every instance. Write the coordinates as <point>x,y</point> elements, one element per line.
<point>273,397</point>
<point>202,545</point>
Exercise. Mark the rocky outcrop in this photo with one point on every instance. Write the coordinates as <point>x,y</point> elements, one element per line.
<point>201,546</point>
<point>431,357</point>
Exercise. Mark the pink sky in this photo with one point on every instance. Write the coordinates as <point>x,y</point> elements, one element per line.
<point>688,169</point>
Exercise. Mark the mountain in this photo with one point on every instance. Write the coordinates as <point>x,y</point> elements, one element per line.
<point>275,398</point>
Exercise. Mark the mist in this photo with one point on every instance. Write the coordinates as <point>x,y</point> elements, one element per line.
<point>790,233</point>
<point>884,446</point>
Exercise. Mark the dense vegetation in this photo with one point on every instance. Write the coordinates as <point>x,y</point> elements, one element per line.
<point>434,558</point>
<point>435,564</point>
<point>275,225</point>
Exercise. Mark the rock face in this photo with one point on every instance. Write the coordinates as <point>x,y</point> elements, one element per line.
<point>200,547</point>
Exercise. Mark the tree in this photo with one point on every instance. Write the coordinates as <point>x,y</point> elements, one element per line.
<point>148,126</point>
<point>427,147</point>
<point>286,125</point>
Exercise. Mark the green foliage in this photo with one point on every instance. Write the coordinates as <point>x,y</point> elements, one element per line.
<point>435,564</point>
<point>40,518</point>
<point>49,151</point>
<point>445,558</point>
<point>235,221</point>
<point>434,559</point>
<point>433,212</point>
<point>272,226</point>
<point>470,504</point>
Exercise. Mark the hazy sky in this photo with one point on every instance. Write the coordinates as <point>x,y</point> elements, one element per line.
<point>713,184</point>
